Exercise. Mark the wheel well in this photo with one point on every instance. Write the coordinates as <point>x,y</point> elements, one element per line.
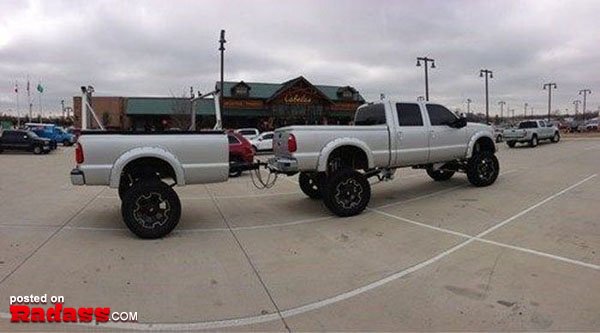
<point>148,167</point>
<point>484,144</point>
<point>347,157</point>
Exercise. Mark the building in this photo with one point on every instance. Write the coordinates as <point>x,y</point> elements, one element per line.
<point>245,104</point>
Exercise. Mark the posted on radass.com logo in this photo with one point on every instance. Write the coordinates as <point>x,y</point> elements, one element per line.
<point>53,309</point>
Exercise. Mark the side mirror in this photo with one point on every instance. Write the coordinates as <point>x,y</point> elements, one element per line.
<point>459,123</point>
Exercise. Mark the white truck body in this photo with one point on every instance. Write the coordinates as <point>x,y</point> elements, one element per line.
<point>195,157</point>
<point>531,131</point>
<point>392,144</point>
<point>335,162</point>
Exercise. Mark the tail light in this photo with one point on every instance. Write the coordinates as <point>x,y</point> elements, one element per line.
<point>292,145</point>
<point>79,154</point>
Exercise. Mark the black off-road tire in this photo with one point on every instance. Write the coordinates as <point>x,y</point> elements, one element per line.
<point>511,144</point>
<point>556,137</point>
<point>347,193</point>
<point>440,175</point>
<point>483,169</point>
<point>534,141</point>
<point>38,150</point>
<point>151,209</point>
<point>311,184</point>
<point>124,186</point>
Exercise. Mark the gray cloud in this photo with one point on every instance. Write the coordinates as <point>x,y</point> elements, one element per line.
<point>162,47</point>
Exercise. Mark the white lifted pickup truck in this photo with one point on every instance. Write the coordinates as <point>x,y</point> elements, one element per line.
<point>335,162</point>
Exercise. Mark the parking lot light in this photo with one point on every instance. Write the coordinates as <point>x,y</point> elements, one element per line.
<point>488,74</point>
<point>584,92</point>
<point>426,61</point>
<point>549,86</point>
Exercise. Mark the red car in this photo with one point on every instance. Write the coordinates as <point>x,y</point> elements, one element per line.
<point>240,153</point>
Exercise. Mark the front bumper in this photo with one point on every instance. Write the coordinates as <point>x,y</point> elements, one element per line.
<point>288,166</point>
<point>77,177</point>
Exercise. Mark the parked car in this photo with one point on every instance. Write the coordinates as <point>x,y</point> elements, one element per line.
<point>241,153</point>
<point>498,133</point>
<point>531,132</point>
<point>335,162</point>
<point>592,126</point>
<point>55,133</point>
<point>248,133</point>
<point>23,140</point>
<point>264,142</point>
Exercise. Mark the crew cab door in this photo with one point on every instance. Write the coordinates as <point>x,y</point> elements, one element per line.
<point>445,143</point>
<point>544,131</point>
<point>412,136</point>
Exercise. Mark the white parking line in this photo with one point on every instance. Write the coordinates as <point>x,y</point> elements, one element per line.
<point>592,147</point>
<point>349,294</point>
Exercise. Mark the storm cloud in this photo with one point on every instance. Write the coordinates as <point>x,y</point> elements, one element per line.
<point>161,48</point>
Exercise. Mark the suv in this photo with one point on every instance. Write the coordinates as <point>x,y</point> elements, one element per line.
<point>23,140</point>
<point>248,133</point>
<point>241,153</point>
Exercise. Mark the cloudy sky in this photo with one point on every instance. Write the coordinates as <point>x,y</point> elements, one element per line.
<point>161,48</point>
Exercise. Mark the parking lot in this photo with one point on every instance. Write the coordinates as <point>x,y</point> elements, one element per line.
<point>522,254</point>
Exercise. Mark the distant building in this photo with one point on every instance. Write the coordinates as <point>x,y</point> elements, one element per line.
<point>245,104</point>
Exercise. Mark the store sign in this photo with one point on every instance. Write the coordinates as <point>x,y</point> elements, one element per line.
<point>345,106</point>
<point>297,99</point>
<point>242,104</point>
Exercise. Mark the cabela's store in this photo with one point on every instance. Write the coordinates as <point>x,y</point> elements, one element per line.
<point>245,104</point>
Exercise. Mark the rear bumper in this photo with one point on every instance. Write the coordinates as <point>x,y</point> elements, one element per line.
<point>284,165</point>
<point>77,177</point>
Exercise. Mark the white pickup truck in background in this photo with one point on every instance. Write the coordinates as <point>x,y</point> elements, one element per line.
<point>335,162</point>
<point>531,132</point>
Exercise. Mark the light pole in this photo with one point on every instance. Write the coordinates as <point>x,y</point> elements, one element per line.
<point>62,108</point>
<point>502,104</point>
<point>488,74</point>
<point>576,103</point>
<point>549,86</point>
<point>525,110</point>
<point>222,42</point>
<point>469,101</point>
<point>585,92</point>
<point>426,61</point>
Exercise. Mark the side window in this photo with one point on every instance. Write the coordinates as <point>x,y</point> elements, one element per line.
<point>232,139</point>
<point>268,137</point>
<point>373,114</point>
<point>542,123</point>
<point>409,114</point>
<point>439,115</point>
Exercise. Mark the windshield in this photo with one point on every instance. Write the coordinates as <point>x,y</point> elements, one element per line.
<point>528,124</point>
